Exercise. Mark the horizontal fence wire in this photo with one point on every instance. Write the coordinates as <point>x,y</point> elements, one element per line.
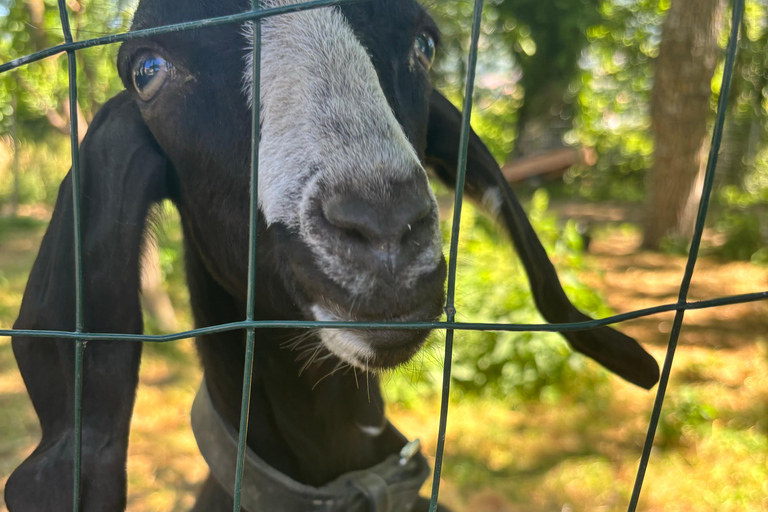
<point>458,326</point>
<point>255,15</point>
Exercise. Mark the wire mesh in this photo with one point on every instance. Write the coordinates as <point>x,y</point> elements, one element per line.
<point>254,216</point>
<point>255,15</point>
<point>450,307</point>
<point>693,253</point>
<point>77,217</point>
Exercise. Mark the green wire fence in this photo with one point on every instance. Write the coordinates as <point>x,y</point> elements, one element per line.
<point>255,15</point>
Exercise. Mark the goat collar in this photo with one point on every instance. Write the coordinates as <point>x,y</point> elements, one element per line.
<point>391,486</point>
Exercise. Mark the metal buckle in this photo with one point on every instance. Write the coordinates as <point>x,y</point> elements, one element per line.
<point>409,451</point>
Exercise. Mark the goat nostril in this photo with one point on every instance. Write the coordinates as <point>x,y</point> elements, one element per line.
<point>354,220</point>
<point>355,235</point>
<point>384,227</point>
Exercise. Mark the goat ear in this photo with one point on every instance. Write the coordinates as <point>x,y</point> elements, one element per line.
<point>486,184</point>
<point>123,173</point>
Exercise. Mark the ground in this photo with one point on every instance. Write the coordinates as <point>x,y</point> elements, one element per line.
<point>710,453</point>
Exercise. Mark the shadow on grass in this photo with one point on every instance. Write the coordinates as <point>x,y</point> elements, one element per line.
<point>474,472</point>
<point>12,225</point>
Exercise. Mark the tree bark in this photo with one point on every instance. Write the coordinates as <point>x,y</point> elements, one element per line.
<point>680,109</point>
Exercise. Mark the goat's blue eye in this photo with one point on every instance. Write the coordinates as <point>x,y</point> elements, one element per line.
<point>424,47</point>
<point>150,74</point>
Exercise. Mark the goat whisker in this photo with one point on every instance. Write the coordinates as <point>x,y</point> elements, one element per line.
<point>294,342</point>
<point>352,305</point>
<point>307,351</point>
<point>367,380</point>
<point>338,367</point>
<point>311,359</point>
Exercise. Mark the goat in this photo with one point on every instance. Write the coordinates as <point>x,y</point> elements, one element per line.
<point>348,230</point>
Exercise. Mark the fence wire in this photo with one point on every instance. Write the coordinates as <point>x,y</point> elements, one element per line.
<point>255,15</point>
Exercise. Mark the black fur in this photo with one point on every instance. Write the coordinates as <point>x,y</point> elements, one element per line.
<point>194,148</point>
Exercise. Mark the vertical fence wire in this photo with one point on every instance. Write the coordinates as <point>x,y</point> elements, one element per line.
<point>450,304</point>
<point>254,220</point>
<point>78,256</point>
<point>693,253</point>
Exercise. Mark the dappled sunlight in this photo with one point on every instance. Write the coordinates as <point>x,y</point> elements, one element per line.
<point>577,450</point>
<point>642,279</point>
<point>19,428</point>
<point>582,454</point>
<point>164,465</point>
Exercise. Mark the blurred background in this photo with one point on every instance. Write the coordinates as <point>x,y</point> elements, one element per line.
<point>600,112</point>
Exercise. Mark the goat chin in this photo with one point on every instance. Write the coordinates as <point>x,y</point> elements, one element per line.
<point>370,349</point>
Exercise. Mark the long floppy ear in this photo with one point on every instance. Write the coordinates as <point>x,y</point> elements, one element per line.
<point>123,173</point>
<point>486,184</point>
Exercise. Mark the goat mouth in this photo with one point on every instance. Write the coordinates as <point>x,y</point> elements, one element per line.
<point>373,349</point>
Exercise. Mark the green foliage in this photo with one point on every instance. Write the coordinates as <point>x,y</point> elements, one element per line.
<point>590,61</point>
<point>9,225</point>
<point>742,198</point>
<point>744,237</point>
<point>685,416</point>
<point>529,53</point>
<point>552,36</point>
<point>34,105</point>
<point>41,87</point>
<point>492,287</point>
<point>603,53</point>
<point>613,98</point>
<point>42,166</point>
<point>741,221</point>
<point>675,244</point>
<point>497,95</point>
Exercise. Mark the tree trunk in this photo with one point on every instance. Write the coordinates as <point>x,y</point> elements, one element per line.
<point>153,296</point>
<point>680,109</point>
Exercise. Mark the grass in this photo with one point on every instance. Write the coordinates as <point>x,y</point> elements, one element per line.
<point>567,453</point>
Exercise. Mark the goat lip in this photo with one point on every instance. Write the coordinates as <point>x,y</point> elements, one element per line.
<point>393,347</point>
<point>374,349</point>
<point>377,349</point>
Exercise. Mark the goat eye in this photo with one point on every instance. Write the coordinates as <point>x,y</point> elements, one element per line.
<point>150,74</point>
<point>424,46</point>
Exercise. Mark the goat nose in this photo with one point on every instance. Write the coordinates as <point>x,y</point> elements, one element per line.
<point>385,226</point>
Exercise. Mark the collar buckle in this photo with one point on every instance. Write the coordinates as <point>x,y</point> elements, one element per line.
<point>409,451</point>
